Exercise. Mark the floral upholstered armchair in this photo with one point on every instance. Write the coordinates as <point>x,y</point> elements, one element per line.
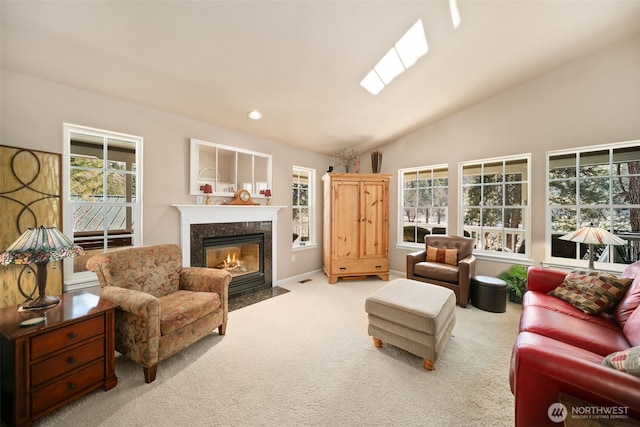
<point>163,307</point>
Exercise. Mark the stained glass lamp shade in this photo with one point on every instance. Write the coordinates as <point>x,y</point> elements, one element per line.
<point>593,235</point>
<point>40,245</point>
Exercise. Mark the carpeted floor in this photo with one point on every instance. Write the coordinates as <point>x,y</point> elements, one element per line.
<point>303,358</point>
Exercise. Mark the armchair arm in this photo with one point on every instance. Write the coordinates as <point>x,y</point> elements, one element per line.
<point>414,258</point>
<point>200,279</point>
<point>135,302</point>
<point>137,324</point>
<point>466,270</point>
<point>544,279</point>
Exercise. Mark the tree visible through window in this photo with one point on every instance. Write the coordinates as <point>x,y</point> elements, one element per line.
<point>599,186</point>
<point>302,192</point>
<point>103,206</point>
<point>424,195</point>
<point>495,196</point>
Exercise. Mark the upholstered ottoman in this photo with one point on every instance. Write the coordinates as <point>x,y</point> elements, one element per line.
<point>414,316</point>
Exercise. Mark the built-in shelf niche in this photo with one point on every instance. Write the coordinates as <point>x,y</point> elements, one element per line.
<point>228,169</point>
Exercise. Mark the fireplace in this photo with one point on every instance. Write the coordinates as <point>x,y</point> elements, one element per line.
<point>252,240</point>
<point>200,222</point>
<point>242,256</point>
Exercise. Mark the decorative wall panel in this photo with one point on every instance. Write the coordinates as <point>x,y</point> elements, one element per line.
<point>30,196</point>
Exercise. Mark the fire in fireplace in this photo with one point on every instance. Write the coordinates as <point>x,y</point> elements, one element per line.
<point>241,255</point>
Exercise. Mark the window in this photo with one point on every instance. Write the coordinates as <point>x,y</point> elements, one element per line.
<point>303,196</point>
<point>495,210</point>
<point>103,204</point>
<point>424,193</point>
<point>599,186</point>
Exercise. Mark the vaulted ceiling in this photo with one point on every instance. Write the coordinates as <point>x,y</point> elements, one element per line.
<point>301,62</point>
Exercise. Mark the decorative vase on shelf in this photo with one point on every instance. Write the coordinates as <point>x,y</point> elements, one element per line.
<point>376,161</point>
<point>346,157</point>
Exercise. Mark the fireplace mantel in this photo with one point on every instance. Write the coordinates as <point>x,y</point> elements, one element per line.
<point>211,214</point>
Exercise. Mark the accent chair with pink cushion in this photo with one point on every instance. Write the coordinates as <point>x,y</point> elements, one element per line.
<point>163,306</point>
<point>452,269</point>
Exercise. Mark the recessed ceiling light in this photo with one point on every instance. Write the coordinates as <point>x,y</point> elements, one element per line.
<point>255,115</point>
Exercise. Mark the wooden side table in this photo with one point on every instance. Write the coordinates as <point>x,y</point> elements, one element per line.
<point>53,363</point>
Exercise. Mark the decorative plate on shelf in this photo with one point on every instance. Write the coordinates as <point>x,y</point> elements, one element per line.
<point>208,174</point>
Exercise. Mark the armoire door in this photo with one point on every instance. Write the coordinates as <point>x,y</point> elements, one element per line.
<point>345,216</point>
<point>374,225</point>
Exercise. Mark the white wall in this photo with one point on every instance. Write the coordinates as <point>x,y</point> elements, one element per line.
<point>33,113</point>
<point>594,100</point>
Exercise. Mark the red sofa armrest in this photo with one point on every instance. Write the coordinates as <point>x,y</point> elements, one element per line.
<point>542,367</point>
<point>543,279</point>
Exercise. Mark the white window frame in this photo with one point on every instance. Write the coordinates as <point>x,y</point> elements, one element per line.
<point>526,206</point>
<point>85,279</point>
<point>401,208</point>
<point>298,244</point>
<point>569,263</point>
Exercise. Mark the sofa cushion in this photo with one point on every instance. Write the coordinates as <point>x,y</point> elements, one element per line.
<point>631,328</point>
<point>442,255</point>
<point>436,271</point>
<point>631,299</point>
<point>592,293</point>
<point>626,361</point>
<point>541,299</point>
<point>572,330</point>
<point>464,245</point>
<point>182,308</point>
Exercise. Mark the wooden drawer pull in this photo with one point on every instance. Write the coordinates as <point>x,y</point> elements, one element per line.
<point>71,386</point>
<point>72,335</point>
<point>343,268</point>
<point>378,267</point>
<point>71,360</point>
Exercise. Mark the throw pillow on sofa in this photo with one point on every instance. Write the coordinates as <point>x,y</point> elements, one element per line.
<point>626,361</point>
<point>442,255</point>
<point>592,293</point>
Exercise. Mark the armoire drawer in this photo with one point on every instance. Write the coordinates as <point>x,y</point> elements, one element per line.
<point>365,266</point>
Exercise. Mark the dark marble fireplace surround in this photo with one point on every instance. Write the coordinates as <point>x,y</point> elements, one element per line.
<point>199,232</point>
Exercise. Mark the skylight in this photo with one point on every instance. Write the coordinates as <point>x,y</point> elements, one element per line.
<point>411,46</point>
<point>455,13</point>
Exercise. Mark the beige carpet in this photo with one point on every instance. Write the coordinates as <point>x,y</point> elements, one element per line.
<point>304,359</point>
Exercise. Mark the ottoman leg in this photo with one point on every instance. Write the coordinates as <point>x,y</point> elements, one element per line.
<point>429,365</point>
<point>377,342</point>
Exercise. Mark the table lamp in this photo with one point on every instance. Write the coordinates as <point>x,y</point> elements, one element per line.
<point>207,189</point>
<point>593,235</point>
<point>40,245</point>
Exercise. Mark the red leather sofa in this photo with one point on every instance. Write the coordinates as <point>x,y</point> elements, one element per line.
<point>559,349</point>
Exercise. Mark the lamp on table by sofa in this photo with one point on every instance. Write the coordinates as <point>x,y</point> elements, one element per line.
<point>40,245</point>
<point>593,235</point>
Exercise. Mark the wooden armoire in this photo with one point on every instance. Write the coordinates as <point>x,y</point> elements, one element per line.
<point>356,225</point>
